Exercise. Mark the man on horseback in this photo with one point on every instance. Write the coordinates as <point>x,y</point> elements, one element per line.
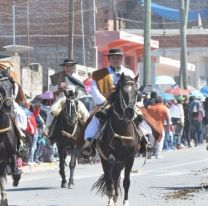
<point>60,82</point>
<point>103,85</point>
<point>7,71</point>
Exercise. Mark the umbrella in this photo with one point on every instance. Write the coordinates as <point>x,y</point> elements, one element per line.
<point>204,91</point>
<point>46,95</point>
<point>166,96</point>
<point>149,88</point>
<point>197,94</point>
<point>164,79</point>
<point>178,91</point>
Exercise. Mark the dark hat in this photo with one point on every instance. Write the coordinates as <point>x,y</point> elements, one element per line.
<point>68,61</point>
<point>112,52</point>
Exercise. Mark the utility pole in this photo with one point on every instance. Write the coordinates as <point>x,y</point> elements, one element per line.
<point>28,33</point>
<point>147,46</point>
<point>114,15</point>
<point>95,29</point>
<point>13,23</point>
<point>71,29</point>
<point>83,33</point>
<point>183,32</point>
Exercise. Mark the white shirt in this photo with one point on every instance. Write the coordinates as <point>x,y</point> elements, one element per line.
<point>97,96</point>
<point>176,111</point>
<point>20,116</point>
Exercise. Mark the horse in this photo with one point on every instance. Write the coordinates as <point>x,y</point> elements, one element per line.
<point>8,139</point>
<point>67,128</point>
<point>119,142</point>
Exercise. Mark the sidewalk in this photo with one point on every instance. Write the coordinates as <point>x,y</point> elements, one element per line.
<point>40,167</point>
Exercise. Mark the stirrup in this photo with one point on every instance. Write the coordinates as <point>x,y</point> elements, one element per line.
<point>86,147</point>
<point>23,150</point>
<point>150,148</point>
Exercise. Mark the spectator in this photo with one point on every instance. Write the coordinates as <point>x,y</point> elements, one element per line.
<point>177,119</point>
<point>196,112</point>
<point>186,130</point>
<point>159,112</point>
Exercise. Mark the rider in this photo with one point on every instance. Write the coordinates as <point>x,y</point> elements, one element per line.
<point>7,68</point>
<point>61,81</point>
<point>103,85</point>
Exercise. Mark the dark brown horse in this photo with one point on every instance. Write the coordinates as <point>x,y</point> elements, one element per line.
<point>8,139</point>
<point>67,128</point>
<point>120,141</point>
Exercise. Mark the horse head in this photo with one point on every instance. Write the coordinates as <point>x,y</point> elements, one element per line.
<point>126,95</point>
<point>71,106</point>
<point>6,93</point>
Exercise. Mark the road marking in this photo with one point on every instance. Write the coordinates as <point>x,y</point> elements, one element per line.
<point>173,174</point>
<point>78,177</point>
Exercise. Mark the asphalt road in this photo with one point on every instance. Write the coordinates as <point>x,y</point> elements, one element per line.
<point>180,178</point>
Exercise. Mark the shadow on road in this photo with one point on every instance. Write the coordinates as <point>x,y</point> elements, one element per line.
<point>30,189</point>
<point>182,188</point>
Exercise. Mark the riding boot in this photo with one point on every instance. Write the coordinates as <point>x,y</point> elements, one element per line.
<point>146,146</point>
<point>15,170</point>
<point>86,148</point>
<point>51,129</point>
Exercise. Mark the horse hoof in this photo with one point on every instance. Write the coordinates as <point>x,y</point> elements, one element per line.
<point>70,186</point>
<point>63,185</point>
<point>111,203</point>
<point>125,203</point>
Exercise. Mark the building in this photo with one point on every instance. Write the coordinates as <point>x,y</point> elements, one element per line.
<point>50,28</point>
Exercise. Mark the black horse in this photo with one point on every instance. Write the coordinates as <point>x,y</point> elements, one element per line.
<point>120,141</point>
<point>8,139</point>
<point>67,129</point>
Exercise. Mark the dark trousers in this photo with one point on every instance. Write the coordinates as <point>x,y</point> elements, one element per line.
<point>196,131</point>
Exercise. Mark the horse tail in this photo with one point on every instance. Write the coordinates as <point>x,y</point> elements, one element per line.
<point>101,185</point>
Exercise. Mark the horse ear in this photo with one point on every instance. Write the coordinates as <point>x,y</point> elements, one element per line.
<point>137,77</point>
<point>122,76</point>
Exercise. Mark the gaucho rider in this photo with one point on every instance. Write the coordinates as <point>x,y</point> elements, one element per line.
<point>61,81</point>
<point>103,85</point>
<point>17,115</point>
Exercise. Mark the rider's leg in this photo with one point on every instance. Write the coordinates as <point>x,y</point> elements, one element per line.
<point>92,131</point>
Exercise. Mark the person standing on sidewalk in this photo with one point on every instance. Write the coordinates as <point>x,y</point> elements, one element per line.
<point>177,118</point>
<point>159,112</point>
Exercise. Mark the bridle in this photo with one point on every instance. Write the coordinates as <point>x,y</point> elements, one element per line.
<point>124,106</point>
<point>4,99</point>
<point>73,103</point>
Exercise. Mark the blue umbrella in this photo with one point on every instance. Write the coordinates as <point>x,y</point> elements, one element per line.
<point>166,96</point>
<point>164,79</point>
<point>197,94</point>
<point>204,91</point>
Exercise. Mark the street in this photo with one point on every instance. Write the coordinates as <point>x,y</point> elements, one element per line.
<point>180,178</point>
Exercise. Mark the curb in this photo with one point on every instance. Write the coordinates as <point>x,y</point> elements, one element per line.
<point>39,167</point>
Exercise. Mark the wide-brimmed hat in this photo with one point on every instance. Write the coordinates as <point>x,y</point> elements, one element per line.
<point>113,52</point>
<point>4,65</point>
<point>68,62</point>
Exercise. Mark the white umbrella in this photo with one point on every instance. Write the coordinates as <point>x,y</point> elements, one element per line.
<point>163,79</point>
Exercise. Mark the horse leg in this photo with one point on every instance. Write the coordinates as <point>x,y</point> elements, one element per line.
<point>72,165</point>
<point>126,181</point>
<point>62,157</point>
<point>4,201</point>
<point>116,179</point>
<point>110,180</point>
<point>16,173</point>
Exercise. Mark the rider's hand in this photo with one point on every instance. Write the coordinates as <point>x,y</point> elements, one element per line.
<point>62,86</point>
